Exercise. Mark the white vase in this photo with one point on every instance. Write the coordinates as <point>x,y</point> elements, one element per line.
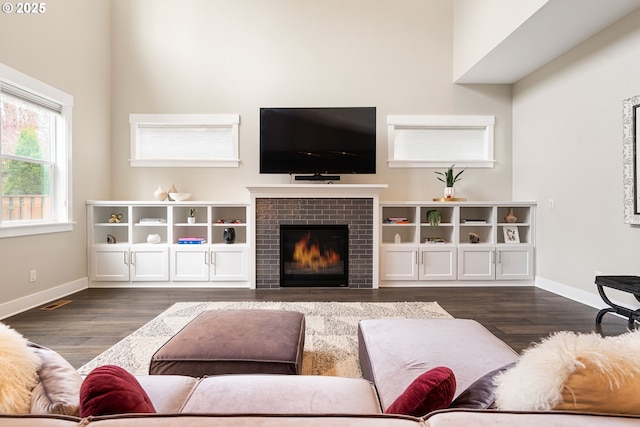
<point>160,194</point>
<point>449,193</point>
<point>191,220</point>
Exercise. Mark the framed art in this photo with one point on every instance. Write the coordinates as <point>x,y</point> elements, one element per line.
<point>630,165</point>
<point>511,234</point>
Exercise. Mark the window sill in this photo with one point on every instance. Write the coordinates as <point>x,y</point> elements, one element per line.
<point>437,164</point>
<point>32,229</point>
<point>234,163</point>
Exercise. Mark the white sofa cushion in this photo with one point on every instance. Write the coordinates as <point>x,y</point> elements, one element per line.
<point>283,394</point>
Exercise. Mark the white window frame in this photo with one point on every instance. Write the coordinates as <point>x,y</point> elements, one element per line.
<point>484,124</point>
<point>62,209</point>
<point>173,121</point>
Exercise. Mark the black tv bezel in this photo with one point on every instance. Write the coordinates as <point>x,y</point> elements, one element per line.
<point>313,174</point>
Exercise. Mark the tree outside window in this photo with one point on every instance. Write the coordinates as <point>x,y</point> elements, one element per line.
<point>26,137</point>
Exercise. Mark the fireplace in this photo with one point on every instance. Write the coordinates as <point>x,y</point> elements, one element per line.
<point>355,205</point>
<point>314,255</point>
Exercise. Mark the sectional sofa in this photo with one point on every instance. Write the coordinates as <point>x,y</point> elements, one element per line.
<point>393,352</point>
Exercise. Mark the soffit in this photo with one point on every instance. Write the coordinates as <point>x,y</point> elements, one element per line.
<point>554,29</point>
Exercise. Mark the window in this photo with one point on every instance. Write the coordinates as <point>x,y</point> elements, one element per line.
<point>439,141</point>
<point>184,140</point>
<point>35,142</point>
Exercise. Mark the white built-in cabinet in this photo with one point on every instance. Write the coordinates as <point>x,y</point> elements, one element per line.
<point>415,253</point>
<point>120,253</point>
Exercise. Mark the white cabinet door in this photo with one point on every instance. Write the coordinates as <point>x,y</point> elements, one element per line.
<point>110,263</point>
<point>514,263</point>
<point>438,263</point>
<point>150,264</point>
<point>189,263</point>
<point>476,263</point>
<point>230,263</point>
<point>399,262</point>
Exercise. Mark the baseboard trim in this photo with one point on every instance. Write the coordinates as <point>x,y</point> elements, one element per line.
<point>578,295</point>
<point>28,302</point>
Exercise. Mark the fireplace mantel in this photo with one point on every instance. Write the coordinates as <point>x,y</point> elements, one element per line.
<point>316,191</point>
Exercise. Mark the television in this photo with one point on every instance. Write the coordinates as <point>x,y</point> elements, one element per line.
<point>318,141</point>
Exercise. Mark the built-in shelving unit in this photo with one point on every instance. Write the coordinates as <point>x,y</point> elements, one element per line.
<point>468,245</point>
<point>143,244</point>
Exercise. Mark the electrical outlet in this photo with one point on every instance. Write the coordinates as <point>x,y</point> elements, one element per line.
<point>32,275</point>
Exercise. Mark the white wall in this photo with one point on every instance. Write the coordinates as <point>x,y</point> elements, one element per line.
<point>568,147</point>
<point>118,57</point>
<point>214,56</point>
<point>68,48</point>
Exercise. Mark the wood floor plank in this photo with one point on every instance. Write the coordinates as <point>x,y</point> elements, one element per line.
<point>99,318</point>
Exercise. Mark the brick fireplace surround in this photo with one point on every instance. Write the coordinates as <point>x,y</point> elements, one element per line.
<point>354,205</point>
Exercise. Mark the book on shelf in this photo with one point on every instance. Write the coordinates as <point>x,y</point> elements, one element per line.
<point>153,220</point>
<point>473,221</point>
<point>191,240</point>
<point>397,220</point>
<point>435,240</point>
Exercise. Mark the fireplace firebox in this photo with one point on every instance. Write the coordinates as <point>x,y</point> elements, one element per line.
<point>314,255</point>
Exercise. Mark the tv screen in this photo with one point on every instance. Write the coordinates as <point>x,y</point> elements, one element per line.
<point>325,140</point>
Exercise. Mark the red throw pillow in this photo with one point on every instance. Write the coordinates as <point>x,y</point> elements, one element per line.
<point>430,391</point>
<point>109,390</point>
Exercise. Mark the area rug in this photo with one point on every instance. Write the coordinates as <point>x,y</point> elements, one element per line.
<point>331,336</point>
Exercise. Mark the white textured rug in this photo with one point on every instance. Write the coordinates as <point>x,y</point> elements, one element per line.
<point>331,338</point>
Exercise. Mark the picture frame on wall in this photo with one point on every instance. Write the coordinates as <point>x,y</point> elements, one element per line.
<point>511,234</point>
<point>630,161</point>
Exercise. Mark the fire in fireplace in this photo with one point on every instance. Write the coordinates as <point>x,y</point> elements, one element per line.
<point>314,255</point>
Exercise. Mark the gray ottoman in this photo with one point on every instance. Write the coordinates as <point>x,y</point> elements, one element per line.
<point>234,342</point>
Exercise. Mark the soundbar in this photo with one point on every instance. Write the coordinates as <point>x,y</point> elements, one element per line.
<point>317,177</point>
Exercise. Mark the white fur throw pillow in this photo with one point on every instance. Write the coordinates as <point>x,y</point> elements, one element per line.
<point>19,372</point>
<point>573,371</point>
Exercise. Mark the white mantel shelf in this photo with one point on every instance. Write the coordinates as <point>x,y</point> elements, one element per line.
<point>316,190</point>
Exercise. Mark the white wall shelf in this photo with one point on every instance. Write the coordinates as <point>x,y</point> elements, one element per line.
<point>414,253</point>
<point>134,262</point>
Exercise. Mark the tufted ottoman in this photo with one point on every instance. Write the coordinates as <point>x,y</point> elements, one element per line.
<point>234,342</point>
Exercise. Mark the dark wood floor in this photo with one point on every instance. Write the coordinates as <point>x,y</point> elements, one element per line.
<point>98,318</point>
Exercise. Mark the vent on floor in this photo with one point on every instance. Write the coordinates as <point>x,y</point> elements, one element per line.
<point>56,304</point>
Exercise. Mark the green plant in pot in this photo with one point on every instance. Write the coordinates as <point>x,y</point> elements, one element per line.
<point>191,215</point>
<point>434,217</point>
<point>449,178</point>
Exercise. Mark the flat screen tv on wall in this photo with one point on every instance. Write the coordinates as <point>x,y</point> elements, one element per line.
<point>321,142</point>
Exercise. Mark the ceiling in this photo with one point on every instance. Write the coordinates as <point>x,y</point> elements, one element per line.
<point>554,29</point>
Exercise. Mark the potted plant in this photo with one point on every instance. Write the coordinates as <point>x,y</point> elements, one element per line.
<point>191,215</point>
<point>434,217</point>
<point>449,179</point>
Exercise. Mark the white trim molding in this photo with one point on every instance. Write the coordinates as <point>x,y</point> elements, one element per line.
<point>578,295</point>
<point>28,302</point>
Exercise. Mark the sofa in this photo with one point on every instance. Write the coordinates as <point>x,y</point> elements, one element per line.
<point>393,352</point>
